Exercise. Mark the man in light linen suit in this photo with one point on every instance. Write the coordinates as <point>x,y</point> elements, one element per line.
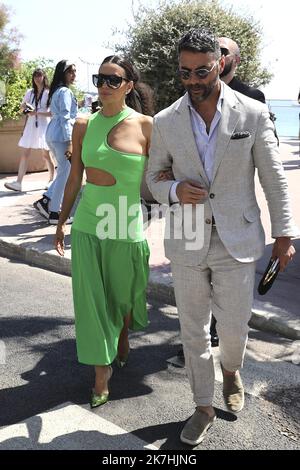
<point>213,139</point>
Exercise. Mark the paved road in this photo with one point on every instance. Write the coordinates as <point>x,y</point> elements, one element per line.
<point>44,391</point>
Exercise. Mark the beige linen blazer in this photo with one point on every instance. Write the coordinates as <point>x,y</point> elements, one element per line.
<point>232,199</point>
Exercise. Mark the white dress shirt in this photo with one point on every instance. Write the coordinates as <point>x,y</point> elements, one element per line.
<point>206,142</point>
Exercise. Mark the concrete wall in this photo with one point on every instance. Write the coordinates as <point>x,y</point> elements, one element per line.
<point>10,134</point>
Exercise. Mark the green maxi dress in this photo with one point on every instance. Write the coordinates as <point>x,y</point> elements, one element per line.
<point>109,251</point>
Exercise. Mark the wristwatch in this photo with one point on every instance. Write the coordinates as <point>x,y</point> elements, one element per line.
<point>68,154</point>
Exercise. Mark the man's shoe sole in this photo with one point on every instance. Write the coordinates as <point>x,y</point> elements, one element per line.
<point>198,441</point>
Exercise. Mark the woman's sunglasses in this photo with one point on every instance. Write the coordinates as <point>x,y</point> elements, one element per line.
<point>200,73</point>
<point>112,81</point>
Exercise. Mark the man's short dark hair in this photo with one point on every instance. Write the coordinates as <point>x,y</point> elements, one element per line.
<point>200,40</point>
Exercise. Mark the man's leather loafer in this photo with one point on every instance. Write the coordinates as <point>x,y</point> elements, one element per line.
<point>196,427</point>
<point>233,392</point>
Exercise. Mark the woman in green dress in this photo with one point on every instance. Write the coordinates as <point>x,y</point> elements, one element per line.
<point>109,251</point>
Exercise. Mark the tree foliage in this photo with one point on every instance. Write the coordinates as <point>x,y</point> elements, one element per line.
<point>16,78</point>
<point>151,42</point>
<point>9,44</point>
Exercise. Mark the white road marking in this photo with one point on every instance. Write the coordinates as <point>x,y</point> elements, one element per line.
<point>69,427</point>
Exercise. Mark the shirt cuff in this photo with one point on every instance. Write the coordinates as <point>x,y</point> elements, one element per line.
<point>172,194</point>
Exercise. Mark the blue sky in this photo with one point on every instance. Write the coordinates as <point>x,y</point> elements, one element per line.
<point>78,30</point>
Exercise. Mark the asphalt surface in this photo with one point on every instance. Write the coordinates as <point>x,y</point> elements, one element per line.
<point>45,392</point>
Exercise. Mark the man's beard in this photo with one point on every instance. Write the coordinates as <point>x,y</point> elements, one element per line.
<point>206,91</point>
<point>227,69</point>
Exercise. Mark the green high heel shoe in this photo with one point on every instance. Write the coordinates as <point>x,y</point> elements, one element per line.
<point>98,400</point>
<point>121,362</point>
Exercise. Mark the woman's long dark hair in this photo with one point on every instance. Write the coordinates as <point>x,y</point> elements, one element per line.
<point>36,97</point>
<point>141,97</point>
<point>59,79</point>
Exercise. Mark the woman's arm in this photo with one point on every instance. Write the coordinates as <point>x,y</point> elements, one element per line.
<point>147,124</point>
<point>25,100</point>
<point>73,184</point>
<point>65,99</point>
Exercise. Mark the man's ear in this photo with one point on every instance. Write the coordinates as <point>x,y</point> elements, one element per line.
<point>221,64</point>
<point>237,59</point>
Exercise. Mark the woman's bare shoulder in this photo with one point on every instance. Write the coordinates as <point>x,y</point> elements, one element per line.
<point>142,117</point>
<point>142,120</point>
<point>82,120</point>
<point>146,123</point>
<point>80,126</point>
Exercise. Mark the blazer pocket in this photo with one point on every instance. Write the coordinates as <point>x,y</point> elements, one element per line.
<point>251,214</point>
<point>240,135</point>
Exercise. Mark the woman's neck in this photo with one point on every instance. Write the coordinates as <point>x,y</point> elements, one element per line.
<point>112,109</point>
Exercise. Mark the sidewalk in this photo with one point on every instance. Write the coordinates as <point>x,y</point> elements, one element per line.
<point>26,236</point>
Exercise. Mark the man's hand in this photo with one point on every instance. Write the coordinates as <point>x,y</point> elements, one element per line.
<point>191,192</point>
<point>284,250</point>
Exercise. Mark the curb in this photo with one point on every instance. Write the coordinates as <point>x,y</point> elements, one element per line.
<point>260,320</point>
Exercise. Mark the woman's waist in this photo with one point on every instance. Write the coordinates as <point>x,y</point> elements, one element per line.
<point>115,219</point>
<point>55,131</point>
<point>112,192</point>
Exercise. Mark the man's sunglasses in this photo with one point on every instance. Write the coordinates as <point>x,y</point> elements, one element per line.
<point>200,73</point>
<point>112,81</point>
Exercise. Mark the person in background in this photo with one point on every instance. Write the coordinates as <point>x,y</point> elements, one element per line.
<point>230,50</point>
<point>35,107</point>
<point>214,139</point>
<point>109,254</point>
<point>63,107</point>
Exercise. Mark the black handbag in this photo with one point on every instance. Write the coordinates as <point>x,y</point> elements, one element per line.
<point>269,276</point>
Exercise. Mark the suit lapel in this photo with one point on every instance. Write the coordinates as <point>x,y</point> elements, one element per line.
<point>229,119</point>
<point>186,136</point>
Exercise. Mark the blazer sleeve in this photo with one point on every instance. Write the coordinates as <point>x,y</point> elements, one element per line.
<point>272,178</point>
<point>159,159</point>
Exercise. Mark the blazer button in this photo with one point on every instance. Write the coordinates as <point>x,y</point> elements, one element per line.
<point>211,195</point>
<point>208,221</point>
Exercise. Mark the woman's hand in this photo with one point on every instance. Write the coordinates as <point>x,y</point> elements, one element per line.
<point>68,152</point>
<point>166,175</point>
<point>59,240</point>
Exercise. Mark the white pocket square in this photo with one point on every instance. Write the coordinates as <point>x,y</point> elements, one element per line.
<point>240,135</point>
